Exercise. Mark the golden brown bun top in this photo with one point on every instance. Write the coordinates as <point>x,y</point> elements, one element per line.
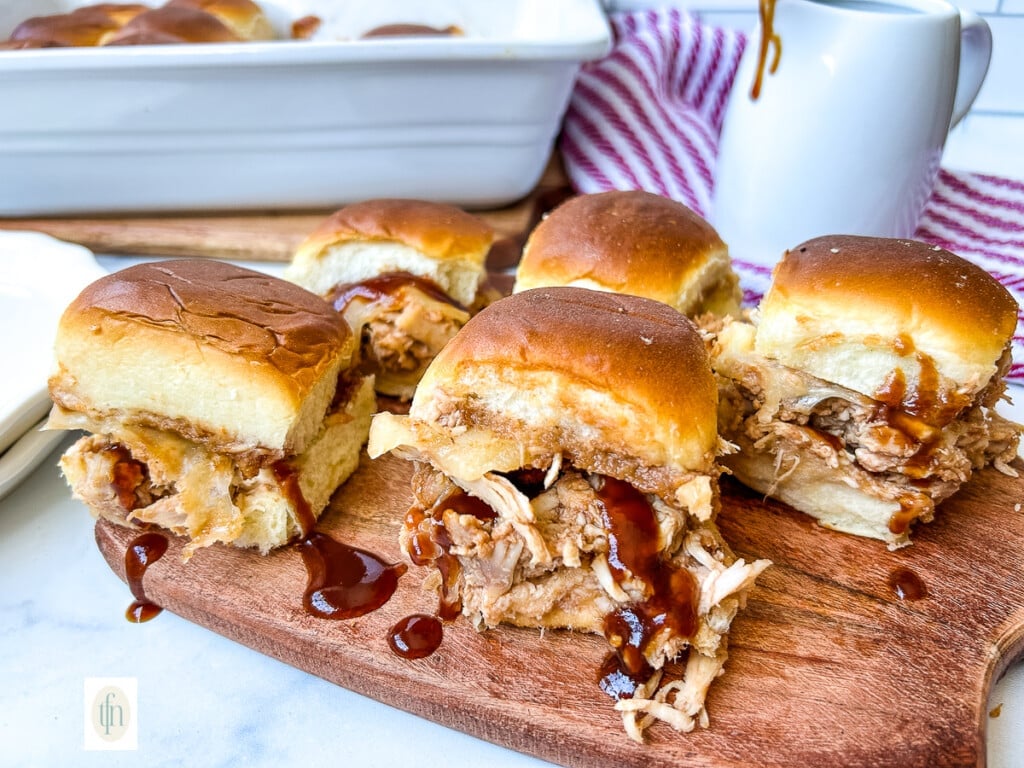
<point>903,322</point>
<point>263,319</point>
<point>633,369</point>
<point>245,18</point>
<point>908,278</point>
<point>624,241</point>
<point>173,24</point>
<point>84,26</point>
<point>178,21</point>
<point>438,230</point>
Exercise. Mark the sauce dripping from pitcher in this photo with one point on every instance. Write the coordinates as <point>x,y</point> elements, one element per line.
<point>769,37</point>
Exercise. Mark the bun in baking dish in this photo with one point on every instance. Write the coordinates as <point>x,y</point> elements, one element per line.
<point>85,26</point>
<point>244,17</point>
<point>901,321</point>
<point>219,401</point>
<point>405,274</point>
<point>562,431</point>
<point>178,21</point>
<point>633,242</point>
<point>864,391</point>
<point>170,25</point>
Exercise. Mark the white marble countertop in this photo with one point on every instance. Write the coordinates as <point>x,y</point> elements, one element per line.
<point>202,699</point>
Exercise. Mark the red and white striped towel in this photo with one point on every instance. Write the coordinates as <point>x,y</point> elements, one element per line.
<point>648,116</point>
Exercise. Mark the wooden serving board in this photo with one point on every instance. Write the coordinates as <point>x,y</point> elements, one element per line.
<point>270,236</point>
<point>827,665</point>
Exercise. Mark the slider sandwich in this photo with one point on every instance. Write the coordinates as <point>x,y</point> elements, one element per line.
<point>565,477</point>
<point>864,392</point>
<point>405,274</point>
<point>219,402</point>
<point>636,243</point>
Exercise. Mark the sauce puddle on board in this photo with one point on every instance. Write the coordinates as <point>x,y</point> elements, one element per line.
<point>907,585</point>
<point>416,636</point>
<point>345,582</point>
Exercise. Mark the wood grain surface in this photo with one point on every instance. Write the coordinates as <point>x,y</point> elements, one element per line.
<point>258,236</point>
<point>828,666</point>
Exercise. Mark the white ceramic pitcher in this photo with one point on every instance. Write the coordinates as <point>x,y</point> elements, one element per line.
<point>846,135</point>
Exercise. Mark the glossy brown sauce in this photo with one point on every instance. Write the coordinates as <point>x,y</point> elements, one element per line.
<point>907,585</point>
<point>893,389</point>
<point>343,581</point>
<point>416,636</point>
<point>769,38</point>
<point>912,506</point>
<point>127,475</point>
<point>384,286</point>
<point>288,481</point>
<point>430,544</point>
<point>927,400</point>
<point>411,30</point>
<point>144,550</point>
<point>616,681</point>
<point>633,549</point>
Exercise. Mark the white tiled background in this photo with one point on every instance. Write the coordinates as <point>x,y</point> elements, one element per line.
<point>991,138</point>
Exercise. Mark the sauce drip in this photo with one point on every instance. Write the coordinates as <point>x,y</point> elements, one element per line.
<point>616,681</point>
<point>430,544</point>
<point>769,37</point>
<point>144,550</point>
<point>288,480</point>
<point>927,400</point>
<point>345,582</point>
<point>384,286</point>
<point>671,601</point>
<point>907,585</point>
<point>912,506</point>
<point>416,636</point>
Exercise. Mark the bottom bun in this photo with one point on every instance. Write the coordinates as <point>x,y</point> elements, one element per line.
<point>807,482</point>
<point>139,475</point>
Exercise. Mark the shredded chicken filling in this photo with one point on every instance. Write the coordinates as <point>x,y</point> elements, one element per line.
<point>543,551</point>
<point>884,452</point>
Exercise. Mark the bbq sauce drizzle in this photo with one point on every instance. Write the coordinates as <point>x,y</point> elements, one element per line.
<point>384,286</point>
<point>769,37</point>
<point>344,582</point>
<point>670,601</point>
<point>144,550</point>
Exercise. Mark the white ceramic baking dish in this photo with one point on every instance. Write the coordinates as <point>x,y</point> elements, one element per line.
<point>295,124</point>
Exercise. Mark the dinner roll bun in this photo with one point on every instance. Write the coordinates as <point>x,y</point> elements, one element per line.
<point>636,243</point>
<point>210,350</point>
<point>86,26</point>
<point>173,24</point>
<point>903,322</point>
<point>436,241</point>
<point>616,384</point>
<point>244,17</point>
